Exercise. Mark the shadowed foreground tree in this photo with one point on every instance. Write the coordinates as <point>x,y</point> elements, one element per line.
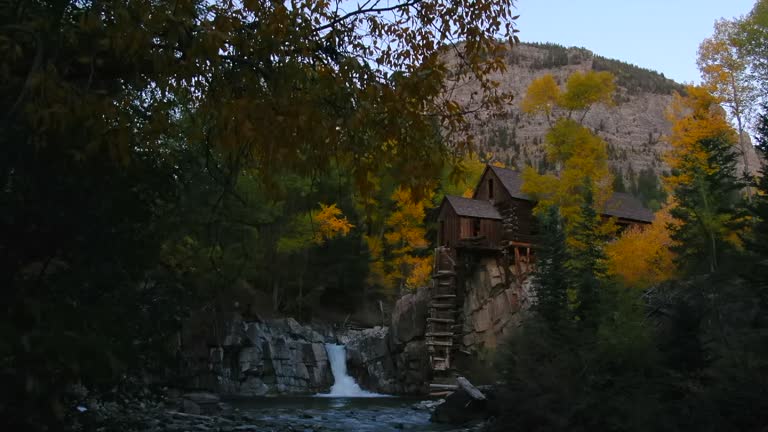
<point>686,353</point>
<point>117,115</point>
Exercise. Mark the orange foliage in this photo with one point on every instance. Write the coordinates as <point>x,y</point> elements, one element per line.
<point>694,118</point>
<point>641,257</point>
<point>330,224</point>
<point>397,260</point>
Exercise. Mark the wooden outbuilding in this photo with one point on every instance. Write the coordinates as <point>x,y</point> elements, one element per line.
<point>465,221</point>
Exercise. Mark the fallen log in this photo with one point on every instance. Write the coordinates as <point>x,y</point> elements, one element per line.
<point>443,386</point>
<point>471,390</point>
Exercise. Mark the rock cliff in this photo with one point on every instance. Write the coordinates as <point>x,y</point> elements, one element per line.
<point>272,357</point>
<point>634,128</point>
<point>493,302</point>
<point>393,360</point>
<point>281,356</point>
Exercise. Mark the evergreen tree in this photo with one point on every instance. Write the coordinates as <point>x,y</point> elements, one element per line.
<point>551,275</point>
<point>758,242</point>
<point>587,258</point>
<point>708,206</point>
<point>761,131</point>
<point>649,190</point>
<point>704,182</point>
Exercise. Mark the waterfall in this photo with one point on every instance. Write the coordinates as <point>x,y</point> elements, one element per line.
<point>343,384</point>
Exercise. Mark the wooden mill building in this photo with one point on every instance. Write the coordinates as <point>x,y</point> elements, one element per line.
<point>498,221</point>
<point>499,214</point>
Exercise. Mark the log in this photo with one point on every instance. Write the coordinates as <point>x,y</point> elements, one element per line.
<point>443,386</point>
<point>471,390</point>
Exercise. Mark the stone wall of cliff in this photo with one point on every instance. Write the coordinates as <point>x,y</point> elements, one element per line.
<point>634,128</point>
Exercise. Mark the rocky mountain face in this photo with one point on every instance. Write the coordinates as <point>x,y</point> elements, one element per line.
<point>634,128</point>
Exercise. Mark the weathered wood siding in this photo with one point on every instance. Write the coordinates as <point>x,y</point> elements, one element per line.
<point>491,229</point>
<point>448,226</point>
<point>482,192</point>
<point>478,227</point>
<point>518,223</point>
<point>452,228</point>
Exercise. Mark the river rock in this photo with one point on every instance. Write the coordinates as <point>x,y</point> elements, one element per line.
<point>460,408</point>
<point>200,403</point>
<point>189,407</point>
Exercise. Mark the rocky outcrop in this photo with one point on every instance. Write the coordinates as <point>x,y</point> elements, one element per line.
<point>492,305</point>
<point>370,361</point>
<point>271,357</point>
<point>409,317</point>
<point>460,407</point>
<point>393,360</point>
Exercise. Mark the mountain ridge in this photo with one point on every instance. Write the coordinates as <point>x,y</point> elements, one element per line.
<point>633,129</point>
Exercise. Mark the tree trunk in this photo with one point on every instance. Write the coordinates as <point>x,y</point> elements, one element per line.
<point>739,123</point>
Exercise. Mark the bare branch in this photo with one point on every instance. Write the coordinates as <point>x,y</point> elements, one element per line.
<point>363,11</point>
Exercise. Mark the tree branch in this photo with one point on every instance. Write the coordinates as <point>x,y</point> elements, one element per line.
<point>363,11</point>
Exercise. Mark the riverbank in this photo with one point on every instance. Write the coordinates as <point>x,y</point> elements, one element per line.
<point>275,414</point>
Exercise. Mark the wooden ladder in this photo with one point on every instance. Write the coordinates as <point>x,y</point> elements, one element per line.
<point>443,311</point>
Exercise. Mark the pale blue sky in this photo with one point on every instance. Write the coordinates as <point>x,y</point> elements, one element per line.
<point>662,35</point>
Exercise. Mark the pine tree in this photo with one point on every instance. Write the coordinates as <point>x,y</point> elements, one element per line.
<point>758,242</point>
<point>551,274</point>
<point>704,182</point>
<point>587,259</point>
<point>708,206</point>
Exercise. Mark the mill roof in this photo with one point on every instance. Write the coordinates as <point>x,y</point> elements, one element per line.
<point>512,182</point>
<point>624,205</point>
<point>472,207</point>
<point>621,205</point>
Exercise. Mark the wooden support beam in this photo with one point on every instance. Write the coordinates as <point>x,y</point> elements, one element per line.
<point>440,343</point>
<point>441,320</point>
<point>440,334</point>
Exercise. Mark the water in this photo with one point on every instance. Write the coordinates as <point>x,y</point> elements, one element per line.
<point>354,414</point>
<point>347,408</point>
<point>344,386</point>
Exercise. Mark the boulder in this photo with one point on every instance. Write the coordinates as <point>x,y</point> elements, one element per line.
<point>189,407</point>
<point>370,360</point>
<point>460,408</point>
<point>200,403</point>
<point>409,317</point>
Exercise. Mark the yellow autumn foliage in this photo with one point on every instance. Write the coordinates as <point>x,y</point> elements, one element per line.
<point>695,117</point>
<point>579,154</point>
<point>397,259</point>
<point>330,223</point>
<point>542,96</point>
<point>642,257</point>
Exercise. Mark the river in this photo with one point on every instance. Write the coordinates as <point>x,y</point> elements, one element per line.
<point>341,414</point>
<point>346,407</point>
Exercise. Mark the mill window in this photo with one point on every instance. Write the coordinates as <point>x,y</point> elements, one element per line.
<point>490,188</point>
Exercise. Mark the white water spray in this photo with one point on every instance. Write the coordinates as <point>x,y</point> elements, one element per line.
<point>343,384</point>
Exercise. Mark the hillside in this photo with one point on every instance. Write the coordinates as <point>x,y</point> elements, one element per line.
<point>633,128</point>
